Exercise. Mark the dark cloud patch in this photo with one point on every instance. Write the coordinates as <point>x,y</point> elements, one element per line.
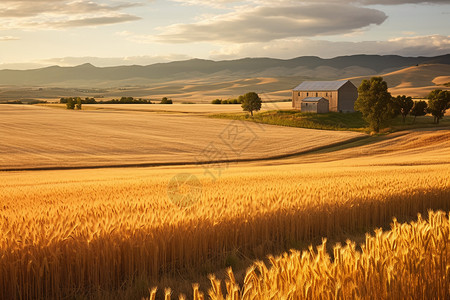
<point>62,13</point>
<point>96,21</point>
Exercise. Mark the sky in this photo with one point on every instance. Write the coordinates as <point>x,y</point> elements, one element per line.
<point>36,33</point>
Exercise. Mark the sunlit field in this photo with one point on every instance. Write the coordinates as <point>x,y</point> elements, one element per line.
<point>118,232</point>
<point>410,261</point>
<point>42,137</point>
<point>81,232</point>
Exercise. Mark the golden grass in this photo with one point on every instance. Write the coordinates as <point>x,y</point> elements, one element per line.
<point>189,108</point>
<point>78,233</point>
<point>67,233</point>
<point>34,137</point>
<point>411,261</point>
<point>415,81</point>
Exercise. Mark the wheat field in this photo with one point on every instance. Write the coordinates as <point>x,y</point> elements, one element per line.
<point>95,233</point>
<point>411,261</point>
<point>42,137</point>
<point>67,233</point>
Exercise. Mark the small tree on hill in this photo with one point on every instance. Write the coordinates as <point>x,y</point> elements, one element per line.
<point>419,109</point>
<point>438,103</point>
<point>374,102</point>
<point>251,102</point>
<point>70,104</point>
<point>402,105</point>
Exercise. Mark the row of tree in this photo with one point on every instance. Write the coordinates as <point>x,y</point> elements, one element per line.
<point>379,107</point>
<point>228,101</point>
<point>76,102</point>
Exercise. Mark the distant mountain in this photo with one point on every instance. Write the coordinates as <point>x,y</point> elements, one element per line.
<point>307,67</point>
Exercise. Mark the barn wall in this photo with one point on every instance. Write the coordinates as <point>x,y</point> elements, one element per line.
<point>331,96</point>
<point>323,107</point>
<point>309,107</point>
<point>296,100</point>
<point>347,97</point>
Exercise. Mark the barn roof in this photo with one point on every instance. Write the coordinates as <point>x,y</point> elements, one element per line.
<point>320,85</point>
<point>313,99</point>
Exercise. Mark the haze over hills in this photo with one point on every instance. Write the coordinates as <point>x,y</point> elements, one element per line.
<point>206,79</point>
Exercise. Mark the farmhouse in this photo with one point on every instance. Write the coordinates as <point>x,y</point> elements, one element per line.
<point>341,95</point>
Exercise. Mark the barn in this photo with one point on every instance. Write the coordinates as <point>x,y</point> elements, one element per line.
<point>341,94</point>
<point>315,104</point>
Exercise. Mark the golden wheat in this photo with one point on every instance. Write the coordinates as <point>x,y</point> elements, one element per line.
<point>71,232</point>
<point>411,261</point>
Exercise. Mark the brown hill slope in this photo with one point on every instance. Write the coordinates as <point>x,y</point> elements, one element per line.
<point>415,81</point>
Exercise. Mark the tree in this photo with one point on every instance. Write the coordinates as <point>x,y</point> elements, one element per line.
<point>374,102</point>
<point>438,103</point>
<point>79,102</point>
<point>70,104</point>
<point>251,102</point>
<point>402,106</point>
<point>419,109</point>
<point>164,100</point>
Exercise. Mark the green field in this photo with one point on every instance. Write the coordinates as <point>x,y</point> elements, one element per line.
<point>330,121</point>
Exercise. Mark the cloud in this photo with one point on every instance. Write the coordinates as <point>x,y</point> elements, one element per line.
<point>217,3</point>
<point>8,38</point>
<point>267,23</point>
<point>223,3</point>
<point>431,45</point>
<point>397,2</point>
<point>20,14</point>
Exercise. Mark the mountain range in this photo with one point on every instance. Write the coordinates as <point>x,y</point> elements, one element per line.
<point>87,75</point>
<point>196,79</point>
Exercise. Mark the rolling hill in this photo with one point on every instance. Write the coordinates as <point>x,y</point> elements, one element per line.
<point>415,81</point>
<point>202,80</point>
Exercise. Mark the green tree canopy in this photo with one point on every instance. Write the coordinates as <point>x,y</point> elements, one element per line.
<point>374,102</point>
<point>438,103</point>
<point>419,109</point>
<point>251,102</point>
<point>402,105</point>
<point>165,100</point>
<point>70,103</point>
<point>78,102</point>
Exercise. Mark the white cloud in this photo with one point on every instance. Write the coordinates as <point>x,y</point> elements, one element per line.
<point>20,14</point>
<point>8,38</point>
<point>432,45</point>
<point>267,23</point>
<point>223,3</point>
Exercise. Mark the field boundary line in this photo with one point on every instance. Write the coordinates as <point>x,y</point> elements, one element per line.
<point>188,163</point>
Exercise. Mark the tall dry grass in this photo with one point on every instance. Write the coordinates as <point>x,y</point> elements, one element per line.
<point>411,261</point>
<point>75,233</point>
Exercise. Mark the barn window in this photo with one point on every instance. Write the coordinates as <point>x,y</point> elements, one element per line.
<point>298,93</point>
<point>326,94</point>
<point>317,94</point>
<point>307,94</point>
